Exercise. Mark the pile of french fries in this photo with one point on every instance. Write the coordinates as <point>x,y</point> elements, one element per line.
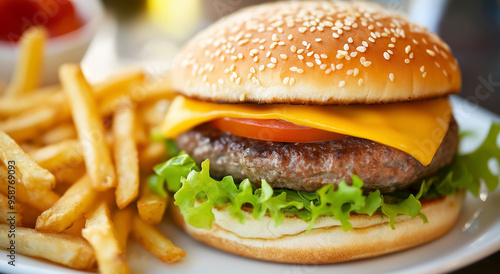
<point>75,160</point>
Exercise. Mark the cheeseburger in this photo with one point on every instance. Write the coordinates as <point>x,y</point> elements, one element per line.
<point>313,132</point>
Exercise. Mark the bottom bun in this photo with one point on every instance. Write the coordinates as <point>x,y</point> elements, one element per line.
<point>331,244</point>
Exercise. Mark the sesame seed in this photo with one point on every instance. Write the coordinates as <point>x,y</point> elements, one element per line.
<point>300,57</point>
<point>430,52</point>
<point>275,37</point>
<point>285,81</point>
<point>292,81</point>
<point>391,76</point>
<point>324,56</point>
<point>293,68</point>
<point>302,29</point>
<point>231,68</point>
<point>238,80</point>
<point>293,48</point>
<point>339,66</point>
<point>328,71</point>
<point>437,64</point>
<point>350,40</point>
<point>356,72</point>
<point>300,51</point>
<point>367,63</point>
<point>273,45</point>
<point>318,61</point>
<point>268,53</point>
<point>271,65</point>
<point>411,55</point>
<point>252,70</point>
<point>393,39</point>
<point>226,70</point>
<point>311,53</point>
<point>361,49</point>
<point>415,42</point>
<point>323,66</point>
<point>254,52</point>
<point>290,37</point>
<point>310,64</point>
<point>283,56</point>
<point>422,68</point>
<point>365,44</point>
<point>273,60</point>
<point>234,58</point>
<point>371,39</point>
<point>346,47</point>
<point>387,56</point>
<point>335,35</point>
<point>304,43</point>
<point>262,41</point>
<point>221,81</point>
<point>261,47</point>
<point>341,83</point>
<point>407,49</point>
<point>407,60</point>
<point>350,72</point>
<point>315,55</point>
<point>360,82</point>
<point>300,71</point>
<point>256,59</point>
<point>242,42</point>
<point>262,67</point>
<point>424,74</point>
<point>240,55</point>
<point>353,54</point>
<point>391,45</point>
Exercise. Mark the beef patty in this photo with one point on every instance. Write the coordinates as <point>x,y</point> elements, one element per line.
<point>309,166</point>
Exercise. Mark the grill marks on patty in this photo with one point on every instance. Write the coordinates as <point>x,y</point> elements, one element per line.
<point>309,166</point>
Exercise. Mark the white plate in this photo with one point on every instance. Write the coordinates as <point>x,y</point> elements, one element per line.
<point>475,236</point>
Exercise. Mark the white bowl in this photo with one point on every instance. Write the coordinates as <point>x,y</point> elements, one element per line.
<point>66,48</point>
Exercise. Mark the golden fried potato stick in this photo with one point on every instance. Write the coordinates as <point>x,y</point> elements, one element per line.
<point>29,124</point>
<point>89,127</point>
<point>28,70</point>
<point>76,227</point>
<point>154,242</point>
<point>40,200</point>
<point>12,106</point>
<point>65,249</point>
<point>33,176</point>
<point>151,206</point>
<point>76,201</point>
<point>151,155</point>
<point>66,153</point>
<point>119,84</point>
<point>10,210</point>
<point>100,233</point>
<point>125,152</point>
<point>122,220</point>
<point>68,174</point>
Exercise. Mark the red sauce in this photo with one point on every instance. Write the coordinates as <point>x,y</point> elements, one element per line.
<point>16,16</point>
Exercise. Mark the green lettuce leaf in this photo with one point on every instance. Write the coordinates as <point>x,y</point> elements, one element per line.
<point>196,193</point>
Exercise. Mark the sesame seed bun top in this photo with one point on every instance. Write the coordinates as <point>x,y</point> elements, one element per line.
<point>315,53</point>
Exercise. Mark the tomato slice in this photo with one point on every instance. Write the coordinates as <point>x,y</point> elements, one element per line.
<point>274,130</point>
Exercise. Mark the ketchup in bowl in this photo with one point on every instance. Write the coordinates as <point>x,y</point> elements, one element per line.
<point>57,16</point>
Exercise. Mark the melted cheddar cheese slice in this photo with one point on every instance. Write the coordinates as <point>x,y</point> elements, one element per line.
<point>417,128</point>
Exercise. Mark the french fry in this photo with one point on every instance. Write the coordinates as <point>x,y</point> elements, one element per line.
<point>76,201</point>
<point>151,155</point>
<point>122,220</point>
<point>141,137</point>
<point>154,242</point>
<point>33,176</point>
<point>76,227</point>
<point>28,70</point>
<point>125,150</point>
<point>10,211</point>
<point>100,233</point>
<point>12,106</point>
<point>89,127</point>
<point>68,174</point>
<point>65,249</point>
<point>119,84</point>
<point>59,133</point>
<point>152,113</point>
<point>40,200</point>
<point>29,215</point>
<point>66,153</point>
<point>151,206</point>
